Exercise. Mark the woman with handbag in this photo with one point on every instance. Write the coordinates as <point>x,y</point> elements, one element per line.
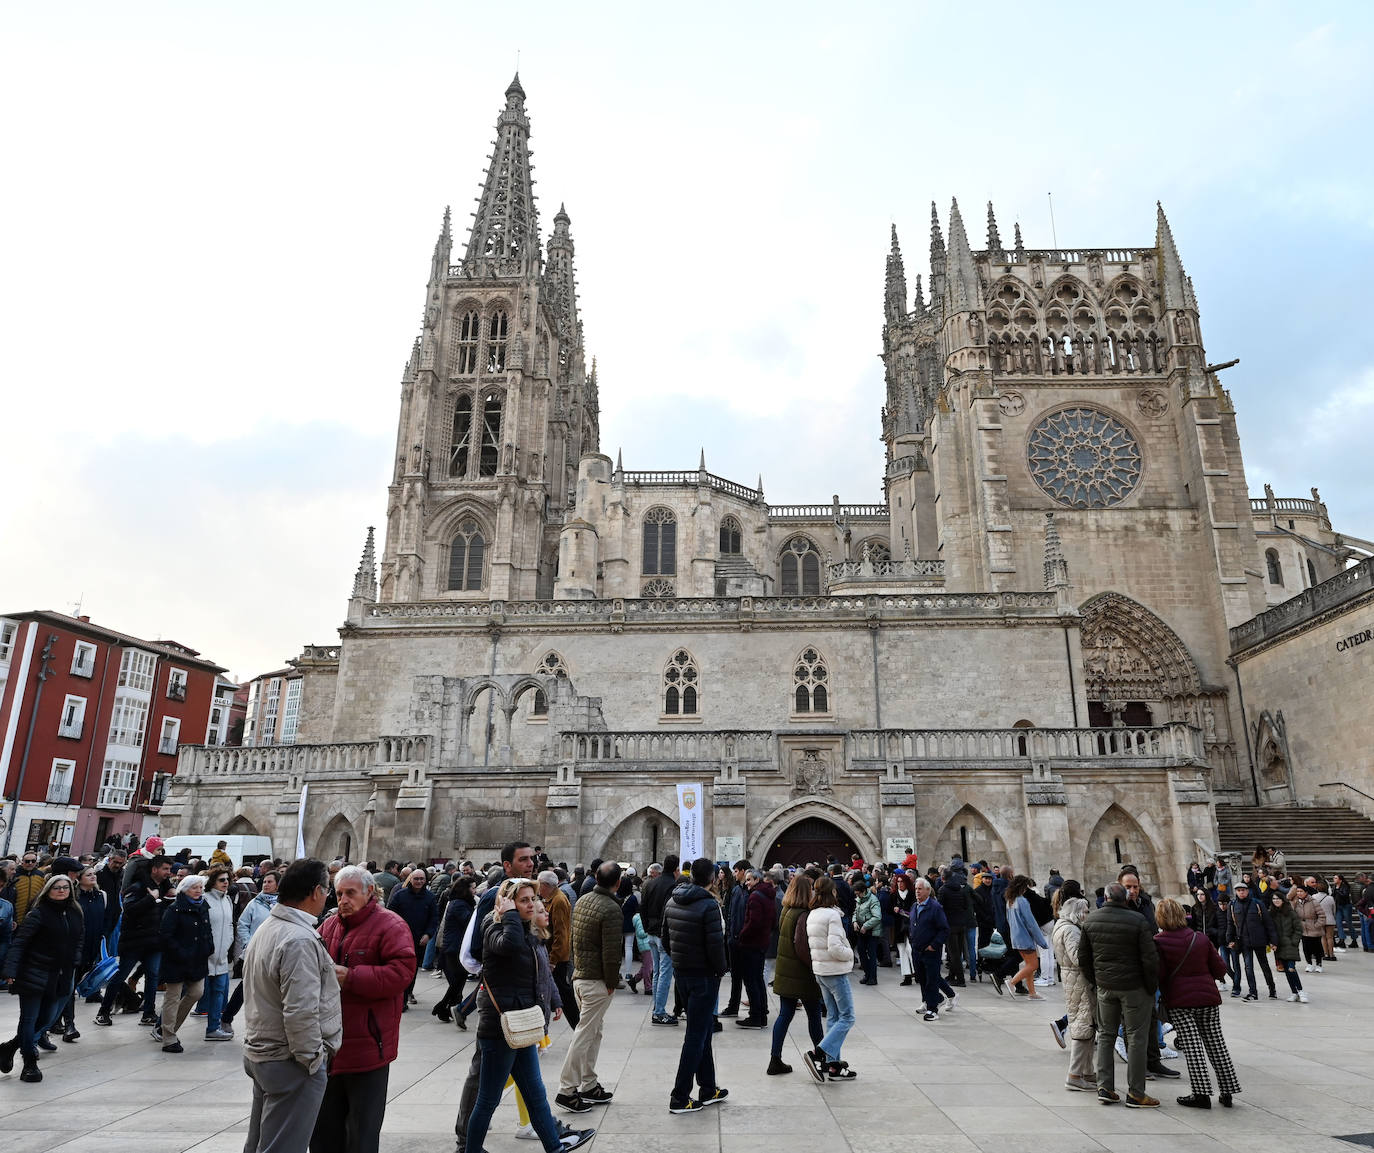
<point>512,1003</point>
<point>1189,969</point>
<point>793,980</point>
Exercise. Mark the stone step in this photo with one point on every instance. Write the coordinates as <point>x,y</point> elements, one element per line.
<point>1313,840</point>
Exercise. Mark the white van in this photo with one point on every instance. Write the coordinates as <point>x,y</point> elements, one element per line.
<point>241,850</point>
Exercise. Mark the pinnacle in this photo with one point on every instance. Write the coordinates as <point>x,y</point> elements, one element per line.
<point>994,237</point>
<point>562,214</point>
<point>514,87</point>
<point>896,248</point>
<point>937,240</point>
<point>1020,248</point>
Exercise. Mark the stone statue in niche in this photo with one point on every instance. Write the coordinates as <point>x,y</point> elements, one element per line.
<point>1209,723</point>
<point>1095,268</point>
<point>812,773</point>
<point>416,457</point>
<point>1183,330</point>
<point>975,329</point>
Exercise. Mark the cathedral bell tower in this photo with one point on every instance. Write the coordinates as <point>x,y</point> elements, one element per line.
<point>496,405</point>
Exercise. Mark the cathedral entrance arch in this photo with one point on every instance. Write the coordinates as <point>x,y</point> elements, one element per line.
<point>970,835</point>
<point>1117,839</point>
<point>811,830</point>
<point>642,837</point>
<point>1136,669</point>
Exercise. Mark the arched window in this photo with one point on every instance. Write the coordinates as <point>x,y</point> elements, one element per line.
<point>540,706</point>
<point>465,336</point>
<point>810,683</point>
<point>460,446</point>
<point>729,536</point>
<point>491,434</point>
<point>465,557</point>
<point>801,569</point>
<point>552,665</point>
<point>1271,560</point>
<point>1311,572</point>
<point>681,686</point>
<point>660,543</point>
<point>497,330</point>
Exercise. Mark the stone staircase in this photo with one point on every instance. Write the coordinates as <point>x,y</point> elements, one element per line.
<point>1321,840</point>
<point>731,569</point>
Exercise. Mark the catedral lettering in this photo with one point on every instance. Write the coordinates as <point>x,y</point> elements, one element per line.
<point>1345,644</point>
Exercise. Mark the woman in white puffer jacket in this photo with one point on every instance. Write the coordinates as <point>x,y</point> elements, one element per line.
<point>832,960</point>
<point>221,910</point>
<point>1078,995</point>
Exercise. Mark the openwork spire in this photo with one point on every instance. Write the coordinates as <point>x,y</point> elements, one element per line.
<point>506,223</point>
<point>994,237</point>
<point>1178,289</point>
<point>438,268</point>
<point>937,259</point>
<point>561,281</point>
<point>365,580</point>
<point>895,300</point>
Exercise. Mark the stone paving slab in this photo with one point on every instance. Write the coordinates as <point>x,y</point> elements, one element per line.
<point>986,1078</point>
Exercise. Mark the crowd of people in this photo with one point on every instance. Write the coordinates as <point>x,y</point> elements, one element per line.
<point>327,957</point>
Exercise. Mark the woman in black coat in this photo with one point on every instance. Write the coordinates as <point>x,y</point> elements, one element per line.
<point>41,965</point>
<point>457,913</point>
<point>188,942</point>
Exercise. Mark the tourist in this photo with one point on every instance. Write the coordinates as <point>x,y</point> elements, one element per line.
<point>1079,996</point>
<point>387,879</point>
<point>597,948</point>
<point>694,936</point>
<point>1341,896</point>
<point>1026,937</point>
<point>109,876</point>
<point>1320,892</point>
<point>1117,956</point>
<point>220,904</point>
<point>1249,933</point>
<point>457,913</point>
<point>735,894</point>
<point>293,1020</point>
<point>41,965</point>
<point>1287,942</point>
<point>628,898</point>
<point>903,900</point>
<point>1313,921</point>
<point>26,885</point>
<point>221,857</point>
<point>511,980</point>
<point>373,952</point>
<point>188,942</point>
<point>91,899</point>
<point>868,920</point>
<point>653,901</point>
<point>793,981</point>
<point>759,917</point>
<point>140,938</point>
<point>252,917</point>
<point>831,961</point>
<point>1189,968</point>
<point>140,862</point>
<point>928,933</point>
<point>954,899</point>
<point>419,909</point>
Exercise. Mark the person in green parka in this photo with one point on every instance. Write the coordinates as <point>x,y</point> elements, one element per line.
<point>793,980</point>
<point>1288,929</point>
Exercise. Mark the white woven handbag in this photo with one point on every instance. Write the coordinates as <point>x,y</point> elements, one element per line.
<point>523,1027</point>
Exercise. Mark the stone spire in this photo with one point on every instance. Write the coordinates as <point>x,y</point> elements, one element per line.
<point>365,580</point>
<point>963,277</point>
<point>994,237</point>
<point>506,223</point>
<point>438,267</point>
<point>1178,291</point>
<point>920,302</point>
<point>1020,249</point>
<point>937,258</point>
<point>896,282</point>
<point>561,280</point>
<point>1056,567</point>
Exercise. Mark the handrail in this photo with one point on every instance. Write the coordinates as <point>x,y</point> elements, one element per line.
<point>1344,785</point>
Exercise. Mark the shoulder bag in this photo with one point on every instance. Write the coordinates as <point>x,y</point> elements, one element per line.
<point>1163,1011</point>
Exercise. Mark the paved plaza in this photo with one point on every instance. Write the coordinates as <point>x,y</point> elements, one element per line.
<point>988,1076</point>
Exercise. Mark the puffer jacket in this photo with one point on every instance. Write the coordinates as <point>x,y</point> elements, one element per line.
<point>1248,925</point>
<point>187,940</point>
<point>24,890</point>
<point>92,903</point>
<point>1327,903</point>
<point>1309,913</point>
<point>1188,976</point>
<point>142,928</point>
<point>791,976</point>
<point>457,914</point>
<point>694,931</point>
<point>1079,999</point>
<point>45,952</point>
<point>868,913</point>
<point>253,916</point>
<point>954,899</point>
<point>221,912</point>
<point>510,972</point>
<point>1207,919</point>
<point>598,942</point>
<point>1117,951</point>
<point>831,955</point>
<point>759,916</point>
<point>1287,932</point>
<point>376,948</point>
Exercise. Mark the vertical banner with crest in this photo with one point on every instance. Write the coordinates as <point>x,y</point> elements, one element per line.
<point>689,821</point>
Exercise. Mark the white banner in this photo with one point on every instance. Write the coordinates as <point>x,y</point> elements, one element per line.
<point>689,806</point>
<point>300,825</point>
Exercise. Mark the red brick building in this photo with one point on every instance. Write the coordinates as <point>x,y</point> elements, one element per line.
<point>90,723</point>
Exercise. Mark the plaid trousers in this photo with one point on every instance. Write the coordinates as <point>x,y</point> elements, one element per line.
<point>1198,1033</point>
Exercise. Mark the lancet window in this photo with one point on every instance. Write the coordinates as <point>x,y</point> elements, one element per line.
<point>810,683</point>
<point>1275,567</point>
<point>552,665</point>
<point>729,536</point>
<point>497,333</point>
<point>660,543</point>
<point>681,686</point>
<point>491,433</point>
<point>460,449</point>
<point>465,339</point>
<point>466,556</point>
<point>801,569</point>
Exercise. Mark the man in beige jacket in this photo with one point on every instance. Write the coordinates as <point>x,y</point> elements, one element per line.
<point>293,1019</point>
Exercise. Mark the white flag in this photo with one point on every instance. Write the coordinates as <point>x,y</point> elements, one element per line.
<point>689,798</point>
<point>300,824</point>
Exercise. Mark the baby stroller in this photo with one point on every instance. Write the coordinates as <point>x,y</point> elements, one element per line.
<point>991,955</point>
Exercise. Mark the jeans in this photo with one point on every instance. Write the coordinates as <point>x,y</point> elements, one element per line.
<point>971,949</point>
<point>351,1114</point>
<point>697,1061</point>
<point>750,962</point>
<point>663,975</point>
<point>562,979</point>
<point>286,1100</point>
<point>933,982</point>
<point>499,1063</point>
<point>787,1009</point>
<point>1250,955</point>
<point>428,962</point>
<point>128,961</point>
<point>215,996</point>
<point>868,959</point>
<point>36,1012</point>
<point>1344,931</point>
<point>839,1012</point>
<point>1115,1009</point>
<point>1366,931</point>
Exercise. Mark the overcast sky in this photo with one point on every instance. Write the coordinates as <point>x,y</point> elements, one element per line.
<point>219,219</point>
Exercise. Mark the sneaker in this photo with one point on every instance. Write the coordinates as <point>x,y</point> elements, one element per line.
<point>1309,967</point>
<point>1080,1085</point>
<point>200,1013</point>
<point>1044,982</point>
<point>952,1002</point>
<point>713,1098</point>
<point>1121,1048</point>
<point>576,1138</point>
<point>751,1023</point>
<point>1144,1101</point>
<point>1058,1032</point>
<point>839,1071</point>
<point>103,1019</point>
<point>663,1019</point>
<point>1166,1028</point>
<point>1292,998</point>
<point>1235,992</point>
<point>1319,968</point>
<point>1161,1071</point>
<point>1302,996</point>
<point>1108,1097</point>
<point>573,1103</point>
<point>597,1093</point>
<point>526,1133</point>
<point>148,1019</point>
<point>220,1035</point>
<point>815,1063</point>
<point>226,1027</point>
<point>1251,997</point>
<point>157,1032</point>
<point>688,1106</point>
<point>930,1015</point>
<point>1169,1053</point>
<point>174,1047</point>
<point>1340,949</point>
<point>999,983</point>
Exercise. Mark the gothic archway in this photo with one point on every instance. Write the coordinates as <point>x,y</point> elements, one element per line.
<point>641,838</point>
<point>1272,760</point>
<point>239,827</point>
<point>1117,839</point>
<point>971,835</point>
<point>810,840</point>
<point>847,824</point>
<point>339,841</point>
<point>1132,660</point>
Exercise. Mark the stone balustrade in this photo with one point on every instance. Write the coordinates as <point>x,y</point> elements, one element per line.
<point>1288,504</point>
<point>886,570</point>
<point>1174,741</point>
<point>649,746</point>
<point>693,477</point>
<point>1311,602</point>
<point>208,762</point>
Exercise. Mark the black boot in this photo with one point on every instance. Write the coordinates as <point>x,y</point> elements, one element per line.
<point>31,1070</point>
<point>907,979</point>
<point>7,1052</point>
<point>1196,1101</point>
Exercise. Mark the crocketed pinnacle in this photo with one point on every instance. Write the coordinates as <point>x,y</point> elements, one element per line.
<point>937,259</point>
<point>994,237</point>
<point>560,279</point>
<point>506,223</point>
<point>1019,249</point>
<point>895,297</point>
<point>1178,292</point>
<point>1056,567</point>
<point>962,290</point>
<point>365,580</point>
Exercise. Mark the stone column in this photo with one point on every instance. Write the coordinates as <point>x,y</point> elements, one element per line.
<point>1046,820</point>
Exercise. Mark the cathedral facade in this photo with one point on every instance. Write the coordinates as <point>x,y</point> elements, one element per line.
<point>1020,654</point>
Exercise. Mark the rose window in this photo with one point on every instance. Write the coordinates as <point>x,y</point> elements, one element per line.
<point>1084,458</point>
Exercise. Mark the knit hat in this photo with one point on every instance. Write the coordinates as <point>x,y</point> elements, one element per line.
<point>153,844</point>
<point>65,865</point>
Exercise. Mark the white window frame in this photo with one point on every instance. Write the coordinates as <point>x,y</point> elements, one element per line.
<point>170,735</point>
<point>291,711</point>
<point>176,678</point>
<point>63,774</point>
<point>73,718</point>
<point>118,784</point>
<point>8,631</point>
<point>83,660</point>
<point>136,670</point>
<point>127,711</point>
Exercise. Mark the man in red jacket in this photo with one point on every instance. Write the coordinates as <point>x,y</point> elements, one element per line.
<point>374,959</point>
